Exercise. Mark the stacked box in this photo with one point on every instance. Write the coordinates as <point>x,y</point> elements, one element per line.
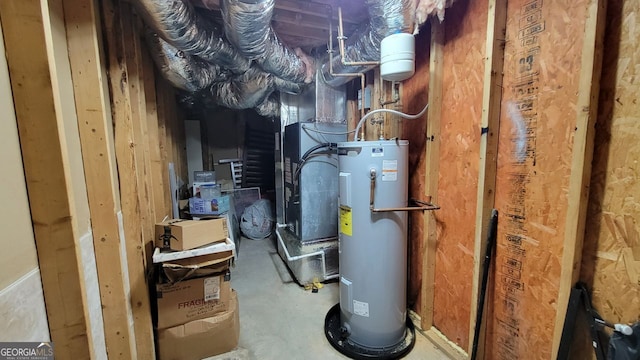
<point>216,206</point>
<point>202,338</point>
<point>179,234</point>
<point>196,308</point>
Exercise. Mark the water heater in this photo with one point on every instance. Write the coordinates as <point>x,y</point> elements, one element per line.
<point>371,317</point>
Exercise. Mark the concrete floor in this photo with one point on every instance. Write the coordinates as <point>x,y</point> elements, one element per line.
<point>279,319</point>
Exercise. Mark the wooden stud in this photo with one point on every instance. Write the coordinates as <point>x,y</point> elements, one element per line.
<point>164,143</point>
<point>490,123</point>
<point>127,148</point>
<point>375,122</point>
<point>578,197</point>
<point>452,350</point>
<point>135,80</point>
<point>157,179</point>
<point>433,165</point>
<point>611,258</point>
<point>353,115</point>
<point>33,72</point>
<point>178,137</point>
<point>94,121</point>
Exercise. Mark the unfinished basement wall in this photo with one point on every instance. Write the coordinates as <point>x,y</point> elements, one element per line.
<point>551,73</point>
<point>611,256</point>
<point>20,280</point>
<point>462,79</point>
<point>415,94</point>
<point>510,126</point>
<point>65,107</point>
<point>24,314</point>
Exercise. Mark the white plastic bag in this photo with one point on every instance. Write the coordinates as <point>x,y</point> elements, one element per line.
<point>257,220</point>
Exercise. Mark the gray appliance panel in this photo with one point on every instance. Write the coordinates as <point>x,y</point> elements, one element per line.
<point>311,199</point>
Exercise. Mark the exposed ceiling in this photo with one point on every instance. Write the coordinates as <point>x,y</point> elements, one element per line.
<point>305,24</point>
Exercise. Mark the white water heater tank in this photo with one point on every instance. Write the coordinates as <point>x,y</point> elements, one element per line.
<point>397,57</point>
<point>373,245</point>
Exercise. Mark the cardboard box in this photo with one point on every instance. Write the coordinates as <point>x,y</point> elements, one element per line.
<point>197,185</point>
<point>218,247</point>
<point>204,176</point>
<point>216,206</point>
<point>197,266</point>
<point>202,338</point>
<point>190,234</point>
<point>192,299</point>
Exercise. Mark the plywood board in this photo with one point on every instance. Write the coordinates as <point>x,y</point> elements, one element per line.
<point>611,256</point>
<point>539,112</point>
<point>415,95</point>
<point>463,79</point>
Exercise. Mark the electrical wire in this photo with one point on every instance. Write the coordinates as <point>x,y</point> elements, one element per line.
<point>395,112</point>
<point>306,155</point>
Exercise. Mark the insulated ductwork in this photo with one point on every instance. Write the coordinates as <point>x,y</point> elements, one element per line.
<point>386,17</point>
<point>243,91</point>
<point>288,86</point>
<point>177,23</point>
<point>247,25</point>
<point>182,70</point>
<point>270,107</point>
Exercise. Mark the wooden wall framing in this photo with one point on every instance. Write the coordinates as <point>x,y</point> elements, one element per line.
<point>71,90</point>
<point>538,130</point>
<point>557,151</point>
<point>148,134</point>
<point>611,257</point>
<point>94,120</point>
<point>32,67</point>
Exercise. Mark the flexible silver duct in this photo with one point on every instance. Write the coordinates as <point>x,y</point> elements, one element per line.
<point>288,86</point>
<point>182,70</point>
<point>247,25</point>
<point>177,23</point>
<point>386,17</point>
<point>243,91</point>
<point>270,107</point>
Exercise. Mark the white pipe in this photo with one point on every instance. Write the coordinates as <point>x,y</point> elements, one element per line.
<point>299,257</point>
<point>395,112</point>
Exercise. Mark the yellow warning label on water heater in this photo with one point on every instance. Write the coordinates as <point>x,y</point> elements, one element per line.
<point>346,227</point>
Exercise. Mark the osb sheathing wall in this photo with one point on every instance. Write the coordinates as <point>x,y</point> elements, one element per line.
<point>611,257</point>
<point>543,151</point>
<point>464,50</point>
<point>461,107</point>
<point>416,95</point>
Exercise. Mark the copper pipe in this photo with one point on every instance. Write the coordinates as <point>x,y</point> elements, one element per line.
<point>424,206</point>
<point>341,39</point>
<point>330,51</point>
<point>408,208</point>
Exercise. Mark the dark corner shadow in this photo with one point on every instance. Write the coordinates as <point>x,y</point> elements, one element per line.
<point>459,13</point>
<point>602,142</point>
<point>581,344</point>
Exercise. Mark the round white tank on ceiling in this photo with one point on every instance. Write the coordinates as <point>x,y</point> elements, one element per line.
<point>397,57</point>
